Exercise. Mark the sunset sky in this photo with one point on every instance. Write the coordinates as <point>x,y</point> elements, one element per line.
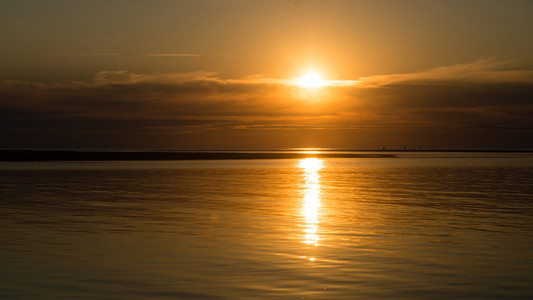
<point>227,74</point>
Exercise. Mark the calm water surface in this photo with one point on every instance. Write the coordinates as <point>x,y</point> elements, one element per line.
<point>445,226</point>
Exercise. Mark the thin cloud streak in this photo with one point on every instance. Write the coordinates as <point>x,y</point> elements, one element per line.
<point>142,54</point>
<point>173,54</point>
<point>92,54</point>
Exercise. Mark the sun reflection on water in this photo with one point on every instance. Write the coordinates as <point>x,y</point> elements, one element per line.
<point>311,204</point>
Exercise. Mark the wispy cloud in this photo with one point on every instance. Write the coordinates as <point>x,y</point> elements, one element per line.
<point>482,71</point>
<point>173,54</point>
<point>92,54</point>
<point>142,54</point>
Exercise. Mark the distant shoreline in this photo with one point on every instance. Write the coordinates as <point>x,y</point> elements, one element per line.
<point>72,155</point>
<point>59,155</point>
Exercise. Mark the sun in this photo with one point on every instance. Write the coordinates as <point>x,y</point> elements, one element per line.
<point>310,80</point>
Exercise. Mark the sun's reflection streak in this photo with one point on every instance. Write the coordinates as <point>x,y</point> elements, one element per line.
<point>311,204</point>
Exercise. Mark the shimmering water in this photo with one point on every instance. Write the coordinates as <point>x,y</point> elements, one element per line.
<point>429,227</point>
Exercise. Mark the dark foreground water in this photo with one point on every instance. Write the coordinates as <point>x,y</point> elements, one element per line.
<point>429,226</point>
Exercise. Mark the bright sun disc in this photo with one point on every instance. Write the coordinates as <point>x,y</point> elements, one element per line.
<point>310,80</point>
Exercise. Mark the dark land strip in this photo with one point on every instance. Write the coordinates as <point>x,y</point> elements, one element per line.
<point>34,155</point>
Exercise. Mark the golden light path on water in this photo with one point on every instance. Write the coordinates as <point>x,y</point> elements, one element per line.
<point>311,203</point>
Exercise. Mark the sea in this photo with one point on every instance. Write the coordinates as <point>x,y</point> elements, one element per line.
<point>415,225</point>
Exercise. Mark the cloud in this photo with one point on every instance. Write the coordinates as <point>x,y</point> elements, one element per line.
<point>484,94</point>
<point>173,54</point>
<point>120,94</point>
<point>483,71</point>
<point>449,103</point>
<point>143,54</point>
<point>92,54</point>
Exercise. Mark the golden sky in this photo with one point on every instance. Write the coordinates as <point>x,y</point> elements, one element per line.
<point>227,74</point>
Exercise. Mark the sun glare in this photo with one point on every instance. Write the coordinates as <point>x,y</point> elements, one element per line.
<point>310,80</point>
<point>311,206</point>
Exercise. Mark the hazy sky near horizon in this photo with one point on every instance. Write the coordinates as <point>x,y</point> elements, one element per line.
<point>218,74</point>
